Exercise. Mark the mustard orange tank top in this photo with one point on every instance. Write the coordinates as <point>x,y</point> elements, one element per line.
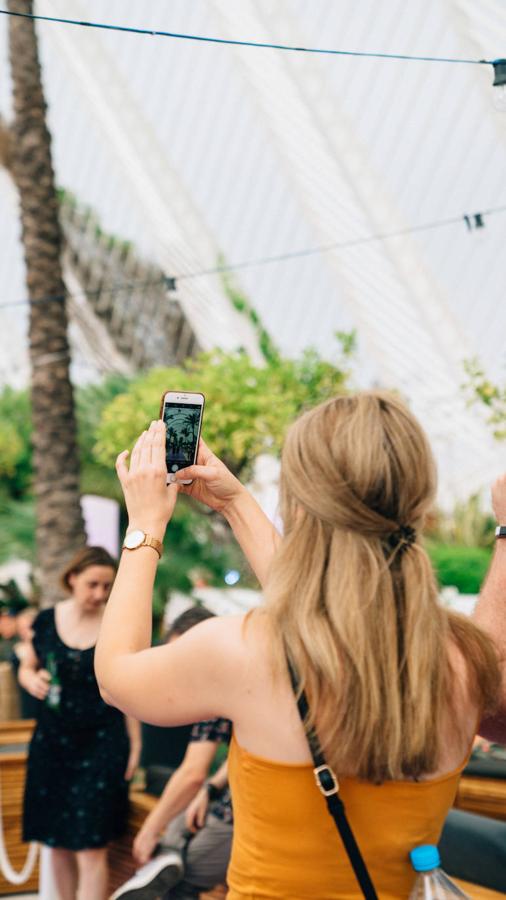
<point>286,845</point>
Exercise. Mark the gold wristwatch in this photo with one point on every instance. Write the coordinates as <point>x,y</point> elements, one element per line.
<point>135,539</point>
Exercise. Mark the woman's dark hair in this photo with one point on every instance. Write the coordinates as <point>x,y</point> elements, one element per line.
<point>187,620</point>
<point>88,556</point>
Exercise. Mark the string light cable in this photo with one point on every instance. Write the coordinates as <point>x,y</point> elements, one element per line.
<point>472,221</point>
<point>264,45</point>
<point>96,292</point>
<point>476,220</point>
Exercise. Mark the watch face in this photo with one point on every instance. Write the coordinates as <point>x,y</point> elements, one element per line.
<point>133,539</point>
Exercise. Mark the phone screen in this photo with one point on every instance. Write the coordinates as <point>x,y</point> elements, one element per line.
<point>182,426</point>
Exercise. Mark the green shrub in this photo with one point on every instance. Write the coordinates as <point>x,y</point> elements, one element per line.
<point>248,407</point>
<point>458,566</point>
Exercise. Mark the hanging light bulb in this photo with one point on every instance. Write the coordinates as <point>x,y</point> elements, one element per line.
<point>500,84</point>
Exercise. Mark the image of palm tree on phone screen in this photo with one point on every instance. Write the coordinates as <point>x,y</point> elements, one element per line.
<point>182,428</point>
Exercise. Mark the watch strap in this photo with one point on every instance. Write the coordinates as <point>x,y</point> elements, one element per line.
<point>500,531</point>
<point>157,545</point>
<point>148,541</point>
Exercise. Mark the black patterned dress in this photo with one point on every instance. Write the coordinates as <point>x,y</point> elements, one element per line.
<point>76,796</point>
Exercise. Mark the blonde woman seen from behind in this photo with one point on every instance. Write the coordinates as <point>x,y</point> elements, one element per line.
<point>397,685</point>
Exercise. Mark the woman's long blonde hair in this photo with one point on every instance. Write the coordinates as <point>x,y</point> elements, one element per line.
<point>358,612</point>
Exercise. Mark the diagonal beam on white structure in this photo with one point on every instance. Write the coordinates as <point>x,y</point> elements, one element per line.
<point>92,348</point>
<point>95,343</point>
<point>181,240</point>
<point>322,151</point>
<point>416,341</point>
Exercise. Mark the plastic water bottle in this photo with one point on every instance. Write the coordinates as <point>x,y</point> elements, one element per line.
<point>431,883</point>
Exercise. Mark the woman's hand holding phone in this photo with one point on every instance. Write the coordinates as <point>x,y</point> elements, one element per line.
<point>212,483</point>
<point>149,501</point>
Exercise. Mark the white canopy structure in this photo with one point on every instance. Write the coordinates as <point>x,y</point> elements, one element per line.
<point>194,151</point>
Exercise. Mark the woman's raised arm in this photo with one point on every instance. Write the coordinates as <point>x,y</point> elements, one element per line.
<point>182,682</point>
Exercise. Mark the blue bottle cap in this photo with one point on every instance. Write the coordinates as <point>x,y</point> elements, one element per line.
<point>425,858</point>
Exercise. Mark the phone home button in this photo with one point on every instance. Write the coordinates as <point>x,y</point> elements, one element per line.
<point>174,468</point>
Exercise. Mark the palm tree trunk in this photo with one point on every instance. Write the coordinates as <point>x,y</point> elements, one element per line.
<point>59,528</point>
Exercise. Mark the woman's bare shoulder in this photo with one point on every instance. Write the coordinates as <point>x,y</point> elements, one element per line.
<point>218,637</point>
<point>236,646</point>
<point>235,633</point>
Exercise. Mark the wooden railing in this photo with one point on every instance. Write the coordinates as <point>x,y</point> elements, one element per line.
<point>15,735</point>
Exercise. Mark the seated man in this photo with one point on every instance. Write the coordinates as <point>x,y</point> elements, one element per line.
<point>206,854</point>
<point>186,864</point>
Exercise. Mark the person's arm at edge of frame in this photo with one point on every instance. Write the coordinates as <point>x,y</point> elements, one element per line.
<point>490,612</point>
<point>181,788</point>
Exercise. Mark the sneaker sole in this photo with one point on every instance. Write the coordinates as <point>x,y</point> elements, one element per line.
<point>153,887</point>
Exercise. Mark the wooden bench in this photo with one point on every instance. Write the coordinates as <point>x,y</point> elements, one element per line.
<point>484,796</point>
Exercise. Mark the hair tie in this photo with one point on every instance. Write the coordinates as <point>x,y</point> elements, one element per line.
<point>402,539</point>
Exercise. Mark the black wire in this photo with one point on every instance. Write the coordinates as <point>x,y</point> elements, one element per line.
<point>112,289</point>
<point>258,44</point>
<point>338,245</point>
<point>171,282</point>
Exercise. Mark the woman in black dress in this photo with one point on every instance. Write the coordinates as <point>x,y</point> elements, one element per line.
<point>83,752</point>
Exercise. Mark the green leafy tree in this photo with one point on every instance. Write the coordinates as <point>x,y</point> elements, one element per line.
<point>17,513</point>
<point>491,396</point>
<point>96,478</point>
<point>16,472</point>
<point>17,529</point>
<point>458,566</point>
<point>15,442</point>
<point>248,407</point>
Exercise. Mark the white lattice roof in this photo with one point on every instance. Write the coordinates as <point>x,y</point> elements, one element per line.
<point>190,150</point>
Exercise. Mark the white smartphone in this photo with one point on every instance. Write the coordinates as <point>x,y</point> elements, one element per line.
<point>182,413</point>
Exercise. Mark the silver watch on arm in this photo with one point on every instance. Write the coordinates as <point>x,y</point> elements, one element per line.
<point>500,531</point>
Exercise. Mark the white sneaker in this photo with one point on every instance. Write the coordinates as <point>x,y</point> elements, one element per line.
<point>152,880</point>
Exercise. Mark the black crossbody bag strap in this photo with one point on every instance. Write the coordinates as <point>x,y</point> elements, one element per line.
<point>328,784</point>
